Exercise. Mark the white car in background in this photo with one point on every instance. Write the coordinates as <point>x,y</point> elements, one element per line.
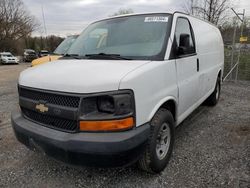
<point>8,58</point>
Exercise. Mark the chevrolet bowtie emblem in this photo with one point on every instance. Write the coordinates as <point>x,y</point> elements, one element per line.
<point>42,108</point>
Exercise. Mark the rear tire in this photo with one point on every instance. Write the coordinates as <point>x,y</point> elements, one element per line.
<point>160,143</point>
<point>213,99</point>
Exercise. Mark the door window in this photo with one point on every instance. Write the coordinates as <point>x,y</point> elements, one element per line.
<point>184,37</point>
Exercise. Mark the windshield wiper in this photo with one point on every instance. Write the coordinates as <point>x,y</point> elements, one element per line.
<point>106,56</point>
<point>74,56</point>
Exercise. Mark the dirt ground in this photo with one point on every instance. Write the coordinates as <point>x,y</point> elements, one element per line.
<point>212,149</point>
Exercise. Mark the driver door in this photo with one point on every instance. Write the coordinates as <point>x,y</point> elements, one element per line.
<point>187,67</point>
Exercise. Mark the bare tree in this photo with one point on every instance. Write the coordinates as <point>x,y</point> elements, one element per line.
<point>210,10</point>
<point>15,22</point>
<point>38,43</point>
<point>123,11</point>
<point>188,6</point>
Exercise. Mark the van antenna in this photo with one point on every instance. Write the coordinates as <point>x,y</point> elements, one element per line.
<point>44,25</point>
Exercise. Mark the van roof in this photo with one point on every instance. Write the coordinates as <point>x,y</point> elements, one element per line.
<point>135,14</point>
<point>160,12</point>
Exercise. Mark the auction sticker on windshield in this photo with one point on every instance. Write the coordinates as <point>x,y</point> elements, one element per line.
<point>156,19</point>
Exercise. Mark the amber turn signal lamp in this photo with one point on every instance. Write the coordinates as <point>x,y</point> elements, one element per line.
<point>109,125</point>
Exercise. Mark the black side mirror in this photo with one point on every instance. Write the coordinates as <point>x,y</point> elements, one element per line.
<point>184,44</point>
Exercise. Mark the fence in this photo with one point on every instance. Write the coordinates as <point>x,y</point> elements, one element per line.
<point>243,66</point>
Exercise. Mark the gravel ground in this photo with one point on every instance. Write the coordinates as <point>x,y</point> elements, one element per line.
<point>212,149</point>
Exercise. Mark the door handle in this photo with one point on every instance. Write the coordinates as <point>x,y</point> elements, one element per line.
<point>198,65</point>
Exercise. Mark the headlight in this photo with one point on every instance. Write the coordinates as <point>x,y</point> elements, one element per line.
<point>106,104</point>
<point>108,112</point>
<point>116,104</point>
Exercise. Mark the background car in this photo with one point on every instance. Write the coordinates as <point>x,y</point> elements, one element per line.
<point>8,58</point>
<point>29,55</point>
<point>43,53</point>
<point>59,51</point>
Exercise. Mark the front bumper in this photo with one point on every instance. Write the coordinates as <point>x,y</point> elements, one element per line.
<point>89,149</point>
<point>10,62</point>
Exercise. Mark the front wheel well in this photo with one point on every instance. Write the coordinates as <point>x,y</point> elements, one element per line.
<point>171,106</point>
<point>219,75</point>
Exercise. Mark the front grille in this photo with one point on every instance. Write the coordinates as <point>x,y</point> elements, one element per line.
<point>51,121</point>
<point>30,98</point>
<point>63,100</point>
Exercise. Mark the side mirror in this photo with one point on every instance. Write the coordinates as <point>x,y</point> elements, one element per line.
<point>184,44</point>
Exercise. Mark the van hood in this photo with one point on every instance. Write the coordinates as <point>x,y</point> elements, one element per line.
<point>78,76</point>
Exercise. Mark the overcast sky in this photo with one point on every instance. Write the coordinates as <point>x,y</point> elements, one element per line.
<point>65,17</point>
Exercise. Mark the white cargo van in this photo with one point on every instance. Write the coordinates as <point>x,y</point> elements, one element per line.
<point>121,90</point>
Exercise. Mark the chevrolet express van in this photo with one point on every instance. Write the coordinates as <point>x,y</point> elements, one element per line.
<point>121,90</point>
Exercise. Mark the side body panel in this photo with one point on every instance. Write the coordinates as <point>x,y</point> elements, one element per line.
<point>153,84</point>
<point>210,54</point>
<point>210,50</point>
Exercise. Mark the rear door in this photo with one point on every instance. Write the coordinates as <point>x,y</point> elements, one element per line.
<point>187,66</point>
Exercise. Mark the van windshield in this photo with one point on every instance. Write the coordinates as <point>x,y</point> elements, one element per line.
<point>64,46</point>
<point>134,37</point>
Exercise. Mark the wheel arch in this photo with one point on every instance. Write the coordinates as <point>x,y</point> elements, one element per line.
<point>168,103</point>
<point>219,74</point>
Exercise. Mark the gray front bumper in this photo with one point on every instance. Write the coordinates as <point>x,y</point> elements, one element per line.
<point>70,147</point>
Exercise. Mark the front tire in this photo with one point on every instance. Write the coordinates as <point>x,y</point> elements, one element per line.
<point>213,99</point>
<point>160,143</point>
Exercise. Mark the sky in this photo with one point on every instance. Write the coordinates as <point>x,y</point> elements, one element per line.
<point>67,17</point>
